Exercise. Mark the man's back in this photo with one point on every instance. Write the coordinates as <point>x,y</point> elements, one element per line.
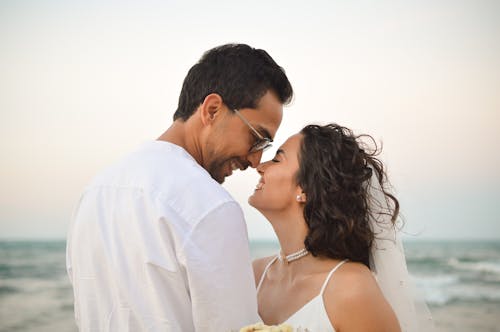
<point>148,248</point>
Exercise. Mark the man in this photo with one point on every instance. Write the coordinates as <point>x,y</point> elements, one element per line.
<point>156,243</point>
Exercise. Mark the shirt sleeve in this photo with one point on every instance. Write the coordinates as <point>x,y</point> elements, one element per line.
<point>219,271</point>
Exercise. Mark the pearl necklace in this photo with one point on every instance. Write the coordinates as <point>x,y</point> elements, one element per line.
<point>292,257</point>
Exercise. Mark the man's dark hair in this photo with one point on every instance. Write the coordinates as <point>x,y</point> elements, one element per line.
<point>240,74</point>
<point>335,171</point>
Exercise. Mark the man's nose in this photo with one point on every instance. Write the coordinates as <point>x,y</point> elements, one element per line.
<point>254,158</point>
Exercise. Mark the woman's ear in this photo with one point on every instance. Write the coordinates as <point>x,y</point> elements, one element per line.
<point>210,108</point>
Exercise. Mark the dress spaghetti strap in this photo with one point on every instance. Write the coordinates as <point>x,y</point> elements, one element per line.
<point>265,271</point>
<point>330,275</point>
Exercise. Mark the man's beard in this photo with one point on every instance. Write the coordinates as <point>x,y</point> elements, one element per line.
<point>216,170</point>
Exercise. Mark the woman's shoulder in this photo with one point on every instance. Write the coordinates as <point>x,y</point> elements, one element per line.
<point>352,282</point>
<point>352,293</point>
<point>259,266</point>
<point>354,273</point>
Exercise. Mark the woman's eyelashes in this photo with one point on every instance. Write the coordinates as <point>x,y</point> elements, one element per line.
<point>277,156</point>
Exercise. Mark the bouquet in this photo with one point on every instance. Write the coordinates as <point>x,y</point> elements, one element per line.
<point>267,328</point>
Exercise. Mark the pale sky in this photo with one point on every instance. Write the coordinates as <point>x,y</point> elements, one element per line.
<point>83,83</point>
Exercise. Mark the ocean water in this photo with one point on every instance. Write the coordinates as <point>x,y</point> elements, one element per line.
<point>35,294</point>
<point>453,272</point>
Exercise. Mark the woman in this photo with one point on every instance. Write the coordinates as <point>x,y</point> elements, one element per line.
<point>318,194</point>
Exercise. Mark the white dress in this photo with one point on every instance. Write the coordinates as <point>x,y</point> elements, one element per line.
<point>312,317</point>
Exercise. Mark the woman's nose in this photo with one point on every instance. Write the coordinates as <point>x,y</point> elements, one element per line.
<point>261,167</point>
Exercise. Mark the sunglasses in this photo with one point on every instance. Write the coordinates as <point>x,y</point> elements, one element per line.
<point>262,143</point>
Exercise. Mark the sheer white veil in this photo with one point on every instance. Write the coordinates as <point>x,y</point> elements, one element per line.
<point>387,261</point>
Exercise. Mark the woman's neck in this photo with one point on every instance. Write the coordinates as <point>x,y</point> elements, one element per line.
<point>291,230</point>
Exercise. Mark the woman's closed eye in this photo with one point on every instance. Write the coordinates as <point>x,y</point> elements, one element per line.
<point>276,156</point>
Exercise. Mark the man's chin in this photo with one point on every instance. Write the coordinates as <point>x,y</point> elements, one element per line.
<point>220,171</point>
<point>218,177</point>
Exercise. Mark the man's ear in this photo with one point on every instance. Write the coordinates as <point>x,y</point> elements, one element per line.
<point>210,108</point>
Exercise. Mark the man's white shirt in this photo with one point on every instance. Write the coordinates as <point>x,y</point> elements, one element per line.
<point>157,245</point>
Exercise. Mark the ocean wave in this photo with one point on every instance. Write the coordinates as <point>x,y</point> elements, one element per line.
<point>434,287</point>
<point>436,281</point>
<point>463,295</point>
<point>481,266</point>
<point>442,289</point>
<point>422,259</point>
<point>4,289</point>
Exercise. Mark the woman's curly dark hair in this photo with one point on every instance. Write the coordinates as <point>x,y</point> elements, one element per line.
<point>334,173</point>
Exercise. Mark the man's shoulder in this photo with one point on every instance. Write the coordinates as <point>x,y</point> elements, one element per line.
<point>181,183</point>
<point>168,175</point>
<point>197,196</point>
<point>161,167</point>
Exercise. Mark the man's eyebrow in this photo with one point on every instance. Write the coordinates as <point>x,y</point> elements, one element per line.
<point>264,132</point>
